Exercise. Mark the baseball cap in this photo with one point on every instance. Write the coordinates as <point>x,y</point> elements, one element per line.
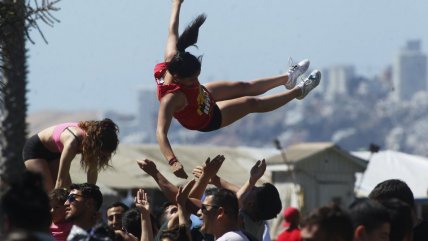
<point>291,215</point>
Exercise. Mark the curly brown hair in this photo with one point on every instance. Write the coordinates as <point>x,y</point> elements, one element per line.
<point>99,144</point>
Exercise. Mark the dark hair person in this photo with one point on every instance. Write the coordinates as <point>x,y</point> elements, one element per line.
<point>51,151</point>
<point>213,105</point>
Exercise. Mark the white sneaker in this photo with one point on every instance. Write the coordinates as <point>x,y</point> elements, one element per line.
<point>309,83</point>
<point>295,71</point>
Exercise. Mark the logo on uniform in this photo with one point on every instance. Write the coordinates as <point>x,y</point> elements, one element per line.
<point>204,102</point>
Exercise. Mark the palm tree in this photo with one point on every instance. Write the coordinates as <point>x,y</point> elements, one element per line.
<point>16,18</point>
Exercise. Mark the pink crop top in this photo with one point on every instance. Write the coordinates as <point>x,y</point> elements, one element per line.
<point>58,130</point>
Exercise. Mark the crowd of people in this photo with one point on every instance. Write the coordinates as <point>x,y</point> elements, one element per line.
<point>220,211</point>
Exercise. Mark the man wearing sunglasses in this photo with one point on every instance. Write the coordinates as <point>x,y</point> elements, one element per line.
<point>83,204</point>
<point>219,212</point>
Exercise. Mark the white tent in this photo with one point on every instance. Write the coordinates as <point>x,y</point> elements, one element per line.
<point>389,164</point>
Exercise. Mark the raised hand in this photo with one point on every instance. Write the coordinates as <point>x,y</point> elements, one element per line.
<point>183,193</point>
<point>148,166</point>
<point>198,171</point>
<point>125,235</point>
<point>257,170</point>
<point>212,166</point>
<point>142,202</point>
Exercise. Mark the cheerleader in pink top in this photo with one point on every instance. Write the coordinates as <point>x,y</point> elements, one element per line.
<point>51,151</point>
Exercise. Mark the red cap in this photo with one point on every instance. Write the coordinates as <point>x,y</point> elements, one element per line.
<point>291,215</point>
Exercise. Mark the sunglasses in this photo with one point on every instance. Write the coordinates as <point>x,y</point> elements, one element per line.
<point>204,207</point>
<point>72,197</point>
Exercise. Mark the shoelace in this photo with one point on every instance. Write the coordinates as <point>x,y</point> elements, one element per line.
<point>311,78</point>
<point>292,65</point>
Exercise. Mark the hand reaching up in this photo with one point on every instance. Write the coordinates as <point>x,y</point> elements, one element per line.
<point>182,198</point>
<point>183,193</point>
<point>142,202</point>
<point>199,170</point>
<point>148,166</point>
<point>257,171</point>
<point>125,235</point>
<point>212,166</point>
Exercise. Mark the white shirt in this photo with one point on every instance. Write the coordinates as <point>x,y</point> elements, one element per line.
<point>77,233</point>
<point>233,236</point>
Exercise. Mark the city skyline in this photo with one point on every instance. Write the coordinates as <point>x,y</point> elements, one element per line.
<point>102,51</point>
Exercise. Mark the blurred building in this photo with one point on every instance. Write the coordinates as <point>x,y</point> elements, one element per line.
<point>337,80</point>
<point>139,128</point>
<point>125,122</point>
<point>148,105</point>
<point>409,71</point>
<point>310,175</point>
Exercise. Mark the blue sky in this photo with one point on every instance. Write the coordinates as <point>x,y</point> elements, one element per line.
<point>103,51</point>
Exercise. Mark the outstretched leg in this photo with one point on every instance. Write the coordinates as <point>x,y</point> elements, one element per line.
<point>227,90</point>
<point>235,109</point>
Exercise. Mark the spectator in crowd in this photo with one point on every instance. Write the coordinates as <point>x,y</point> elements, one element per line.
<point>100,232</point>
<point>291,224</point>
<point>114,215</point>
<point>60,228</point>
<point>258,203</point>
<point>327,223</point>
<point>401,219</point>
<point>83,205</point>
<point>131,222</point>
<point>182,231</point>
<point>136,222</point>
<point>170,191</point>
<point>220,216</point>
<point>25,206</point>
<point>394,188</point>
<point>168,211</point>
<point>371,220</point>
<point>166,218</point>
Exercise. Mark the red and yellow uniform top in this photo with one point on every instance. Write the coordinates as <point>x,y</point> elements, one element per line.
<point>200,105</point>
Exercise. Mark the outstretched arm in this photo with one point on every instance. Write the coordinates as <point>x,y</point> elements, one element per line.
<point>216,180</point>
<point>68,153</point>
<point>208,171</point>
<point>256,173</point>
<point>143,204</point>
<point>182,200</point>
<point>168,105</point>
<point>171,42</point>
<point>168,189</point>
<point>165,115</point>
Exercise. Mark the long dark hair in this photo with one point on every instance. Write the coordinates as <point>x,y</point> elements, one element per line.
<point>184,64</point>
<point>99,144</point>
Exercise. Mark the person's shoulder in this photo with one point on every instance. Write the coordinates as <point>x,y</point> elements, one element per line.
<point>233,236</point>
<point>173,97</point>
